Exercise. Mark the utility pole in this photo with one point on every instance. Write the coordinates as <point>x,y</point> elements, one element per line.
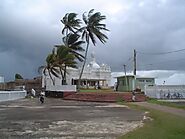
<point>134,66</point>
<point>134,62</point>
<point>125,77</point>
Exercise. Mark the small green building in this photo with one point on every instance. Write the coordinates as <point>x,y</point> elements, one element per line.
<point>125,83</point>
<point>130,82</point>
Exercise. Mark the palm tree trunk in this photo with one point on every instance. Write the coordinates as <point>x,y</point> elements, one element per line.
<point>51,78</point>
<point>62,83</point>
<point>79,80</point>
<point>65,68</point>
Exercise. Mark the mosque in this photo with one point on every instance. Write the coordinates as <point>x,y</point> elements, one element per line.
<point>94,75</point>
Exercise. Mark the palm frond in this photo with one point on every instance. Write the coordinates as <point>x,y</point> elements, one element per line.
<point>78,45</point>
<point>55,72</point>
<point>90,13</point>
<point>92,37</point>
<point>72,38</point>
<point>40,69</point>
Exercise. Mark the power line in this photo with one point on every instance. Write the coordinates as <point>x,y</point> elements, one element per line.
<point>127,63</point>
<point>151,64</point>
<point>161,53</point>
<point>129,59</point>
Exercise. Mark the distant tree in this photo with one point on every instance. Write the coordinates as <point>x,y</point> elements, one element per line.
<point>18,76</point>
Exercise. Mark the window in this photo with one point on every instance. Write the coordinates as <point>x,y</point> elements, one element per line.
<point>148,81</point>
<point>140,80</point>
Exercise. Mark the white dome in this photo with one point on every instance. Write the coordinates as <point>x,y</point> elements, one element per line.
<point>94,65</point>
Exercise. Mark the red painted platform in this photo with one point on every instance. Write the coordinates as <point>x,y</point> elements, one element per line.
<point>104,97</point>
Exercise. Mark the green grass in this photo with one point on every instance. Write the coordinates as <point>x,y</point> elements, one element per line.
<point>170,104</point>
<point>164,126</point>
<point>96,90</point>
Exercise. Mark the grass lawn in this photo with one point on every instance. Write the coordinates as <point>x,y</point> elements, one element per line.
<point>96,90</point>
<point>170,104</point>
<point>164,126</point>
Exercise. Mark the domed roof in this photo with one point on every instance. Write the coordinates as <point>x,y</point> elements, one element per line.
<point>94,65</point>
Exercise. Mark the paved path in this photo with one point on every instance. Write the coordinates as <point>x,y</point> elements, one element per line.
<point>56,118</point>
<point>171,110</point>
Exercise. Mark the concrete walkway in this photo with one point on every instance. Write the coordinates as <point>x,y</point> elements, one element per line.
<point>171,110</point>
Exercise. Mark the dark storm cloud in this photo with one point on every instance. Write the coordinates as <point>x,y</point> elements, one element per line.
<point>29,29</point>
<point>149,27</point>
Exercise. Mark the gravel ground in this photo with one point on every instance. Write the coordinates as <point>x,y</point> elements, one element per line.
<point>56,118</point>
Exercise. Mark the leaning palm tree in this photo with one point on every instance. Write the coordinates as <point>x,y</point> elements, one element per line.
<point>71,23</point>
<point>73,46</point>
<point>71,41</point>
<point>65,59</point>
<point>71,26</point>
<point>93,29</point>
<point>50,67</point>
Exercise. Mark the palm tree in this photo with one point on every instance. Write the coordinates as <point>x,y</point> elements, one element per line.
<point>93,29</point>
<point>73,46</point>
<point>51,67</point>
<point>71,23</point>
<point>56,63</point>
<point>71,41</point>
<point>65,59</point>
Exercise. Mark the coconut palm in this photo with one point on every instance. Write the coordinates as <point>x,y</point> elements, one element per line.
<point>71,41</point>
<point>73,46</point>
<point>65,59</point>
<point>56,63</point>
<point>91,31</point>
<point>71,23</point>
<point>50,67</point>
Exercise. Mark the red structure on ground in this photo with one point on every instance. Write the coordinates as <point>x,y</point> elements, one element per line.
<point>104,97</point>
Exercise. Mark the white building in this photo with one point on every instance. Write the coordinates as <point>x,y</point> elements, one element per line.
<point>1,79</point>
<point>93,75</point>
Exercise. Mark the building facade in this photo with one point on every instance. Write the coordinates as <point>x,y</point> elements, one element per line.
<point>131,82</point>
<point>93,75</point>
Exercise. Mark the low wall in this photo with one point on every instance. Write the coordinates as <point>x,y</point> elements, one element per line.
<point>12,95</point>
<point>61,88</point>
<point>165,91</point>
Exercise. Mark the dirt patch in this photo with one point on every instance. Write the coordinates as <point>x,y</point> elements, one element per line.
<point>66,120</point>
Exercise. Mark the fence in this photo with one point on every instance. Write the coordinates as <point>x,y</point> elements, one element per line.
<point>165,91</point>
<point>12,95</point>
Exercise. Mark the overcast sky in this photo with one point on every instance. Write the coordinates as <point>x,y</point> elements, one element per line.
<point>30,28</point>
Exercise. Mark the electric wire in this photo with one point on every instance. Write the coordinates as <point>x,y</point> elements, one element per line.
<point>161,53</point>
